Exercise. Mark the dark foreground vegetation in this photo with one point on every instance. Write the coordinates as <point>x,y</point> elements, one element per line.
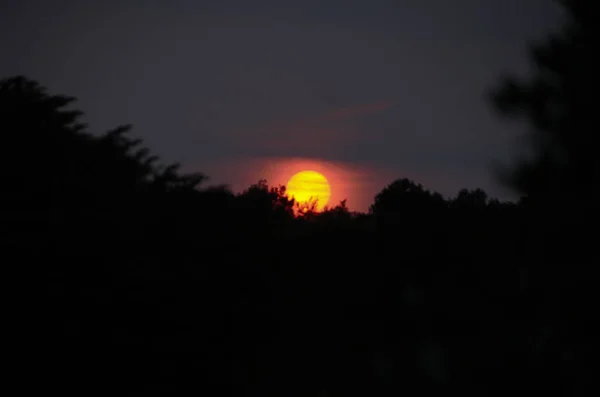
<point>145,281</point>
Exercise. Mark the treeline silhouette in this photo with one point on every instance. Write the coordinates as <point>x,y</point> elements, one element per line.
<point>152,282</point>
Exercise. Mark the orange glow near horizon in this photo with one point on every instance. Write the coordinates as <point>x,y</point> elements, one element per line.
<point>345,180</point>
<point>307,186</point>
<point>357,184</point>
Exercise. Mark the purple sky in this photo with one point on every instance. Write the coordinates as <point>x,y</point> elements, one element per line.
<point>381,89</point>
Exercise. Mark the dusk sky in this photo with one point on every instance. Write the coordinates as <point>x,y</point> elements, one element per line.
<point>363,91</point>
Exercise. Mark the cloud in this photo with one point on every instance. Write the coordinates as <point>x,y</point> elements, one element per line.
<point>357,111</point>
<point>319,135</point>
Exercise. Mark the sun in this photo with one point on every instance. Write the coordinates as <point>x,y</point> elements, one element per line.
<point>306,186</point>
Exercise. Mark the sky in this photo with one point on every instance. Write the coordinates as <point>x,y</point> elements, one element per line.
<point>364,92</point>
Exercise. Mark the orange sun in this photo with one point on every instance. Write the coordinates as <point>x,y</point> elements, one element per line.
<point>308,186</point>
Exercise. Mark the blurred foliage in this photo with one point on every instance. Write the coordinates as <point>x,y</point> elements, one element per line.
<point>559,103</point>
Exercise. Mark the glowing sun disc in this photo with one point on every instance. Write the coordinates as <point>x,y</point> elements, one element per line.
<point>306,186</point>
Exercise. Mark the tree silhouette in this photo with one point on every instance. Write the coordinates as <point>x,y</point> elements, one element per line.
<point>66,162</point>
<point>154,283</point>
<point>260,198</point>
<point>558,102</point>
<point>470,199</point>
<point>405,196</point>
<point>560,179</point>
